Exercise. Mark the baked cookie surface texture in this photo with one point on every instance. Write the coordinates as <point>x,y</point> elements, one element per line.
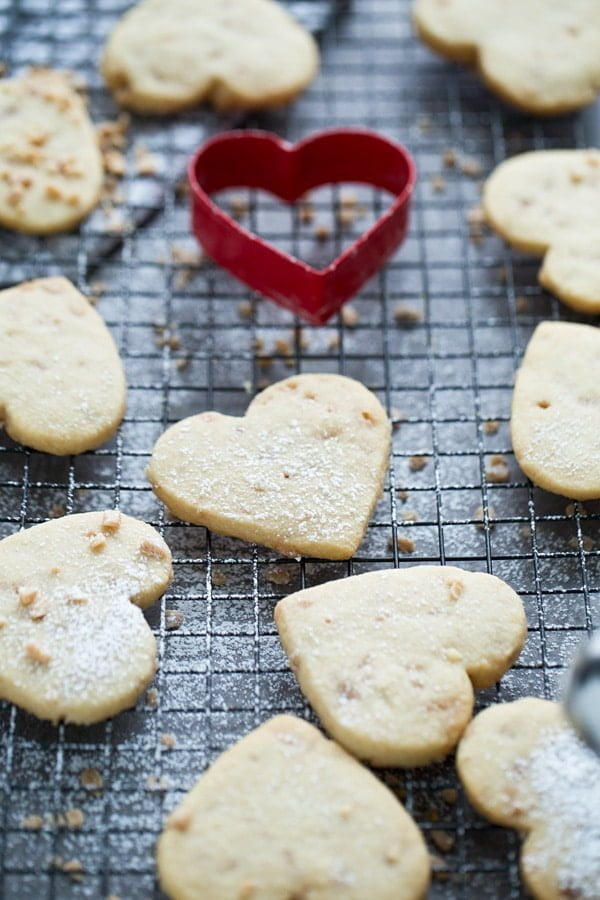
<point>62,386</point>
<point>542,56</point>
<point>555,417</point>
<point>165,55</point>
<point>74,643</point>
<point>389,659</point>
<point>50,165</point>
<point>300,472</point>
<point>548,202</point>
<point>523,766</point>
<point>287,813</point>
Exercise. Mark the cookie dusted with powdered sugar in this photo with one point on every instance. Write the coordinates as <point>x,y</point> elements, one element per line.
<point>62,385</point>
<point>301,472</point>
<point>50,164</point>
<point>555,417</point>
<point>542,56</point>
<point>165,55</point>
<point>74,643</point>
<point>287,813</point>
<point>523,766</point>
<point>547,203</point>
<point>389,659</point>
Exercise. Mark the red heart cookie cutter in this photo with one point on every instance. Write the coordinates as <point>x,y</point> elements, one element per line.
<point>257,159</point>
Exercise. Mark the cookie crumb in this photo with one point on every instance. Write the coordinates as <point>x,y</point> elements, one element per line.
<point>32,822</point>
<point>168,741</point>
<point>438,184</point>
<point>347,217</point>
<point>173,619</point>
<point>219,578</point>
<point>525,532</point>
<point>36,653</point>
<point>449,796</point>
<point>497,471</point>
<point>306,214</point>
<point>405,544</point>
<point>39,609</point>
<point>114,162</point>
<point>149,548</point>
<point>238,206</point>
<point>417,463</point>
<point>97,542</point>
<point>586,542</point>
<point>410,515</point>
<point>350,316</point>
<point>180,820</point>
<point>424,123</point>
<point>145,162</point>
<point>407,315</point>
<point>77,600</point>
<point>111,521</point>
<point>491,426</point>
<point>26,596</point>
<point>91,779</point>
<point>570,509</point>
<point>154,783</point>
<point>244,309</point>
<point>521,304</point>
<point>334,342</point>
<point>57,511</point>
<point>442,840</point>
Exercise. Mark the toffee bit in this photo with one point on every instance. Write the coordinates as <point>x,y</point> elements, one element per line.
<point>278,574</point>
<point>36,653</point>
<point>417,463</point>
<point>74,818</point>
<point>97,542</point>
<point>26,595</point>
<point>442,840</point>
<point>244,309</point>
<point>491,426</point>
<point>57,511</point>
<point>449,157</point>
<point>479,515</point>
<point>168,741</point>
<point>471,167</point>
<point>405,544</point>
<point>570,509</point>
<point>39,610</point>
<point>322,233</point>
<point>350,316</point>
<point>180,820</point>
<point>157,551</point>
<point>407,315</point>
<point>403,496</point>
<point>152,698</point>
<point>238,206</point>
<point>111,521</point>
<point>449,796</point>
<point>91,779</point>
<point>306,214</point>
<point>497,471</point>
<point>173,619</point>
<point>521,304</point>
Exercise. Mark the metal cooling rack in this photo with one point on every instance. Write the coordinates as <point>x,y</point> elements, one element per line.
<point>222,672</point>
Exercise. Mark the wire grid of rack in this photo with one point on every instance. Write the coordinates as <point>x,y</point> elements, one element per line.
<point>222,672</point>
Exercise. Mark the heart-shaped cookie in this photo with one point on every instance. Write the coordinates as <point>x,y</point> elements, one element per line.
<point>524,767</point>
<point>389,659</point>
<point>262,160</point>
<point>542,56</point>
<point>50,163</point>
<point>74,643</point>
<point>555,418</point>
<point>548,202</point>
<point>165,55</point>
<point>300,472</point>
<point>62,387</point>
<point>285,813</point>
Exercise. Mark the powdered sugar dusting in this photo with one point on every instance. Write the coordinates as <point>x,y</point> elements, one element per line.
<point>565,775</point>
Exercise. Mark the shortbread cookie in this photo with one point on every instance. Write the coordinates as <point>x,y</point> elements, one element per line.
<point>389,659</point>
<point>74,643</point>
<point>62,387</point>
<point>50,164</point>
<point>542,56</point>
<point>165,55</point>
<point>555,420</point>
<point>300,473</point>
<point>523,766</point>
<point>548,201</point>
<point>285,813</point>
